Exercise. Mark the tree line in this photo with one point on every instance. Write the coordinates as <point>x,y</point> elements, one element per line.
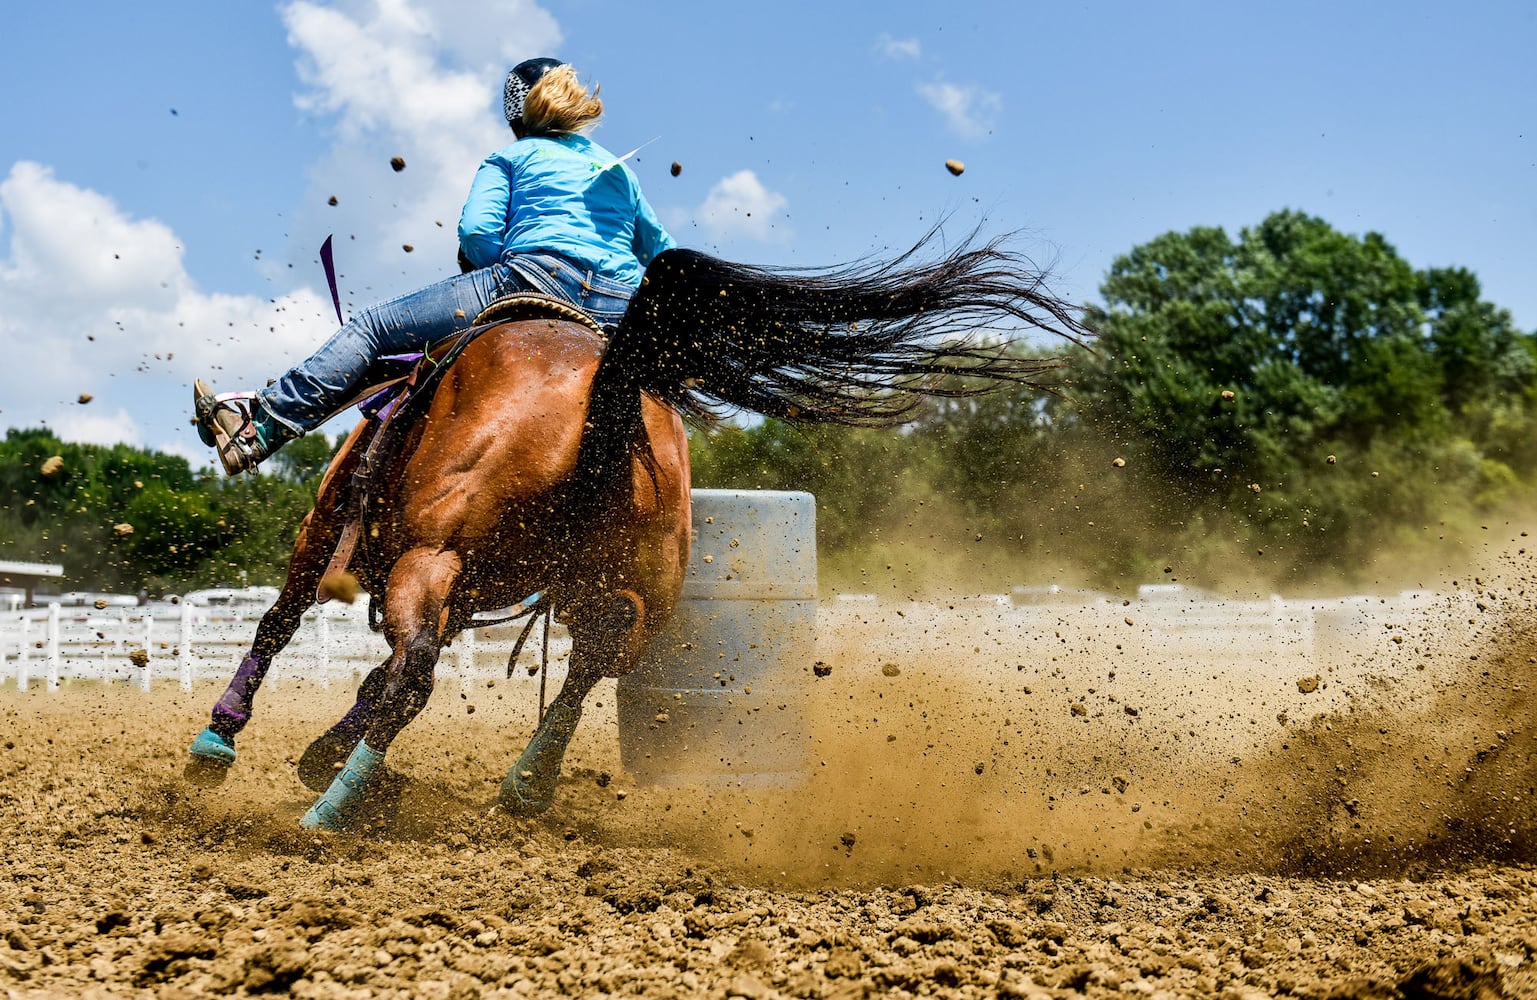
<point>1291,407</point>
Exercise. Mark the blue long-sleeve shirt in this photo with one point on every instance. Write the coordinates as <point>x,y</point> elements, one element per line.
<point>566,195</point>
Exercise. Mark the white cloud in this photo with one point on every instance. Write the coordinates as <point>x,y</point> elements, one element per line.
<point>87,427</point>
<point>94,301</point>
<point>419,80</point>
<point>740,206</point>
<point>969,110</point>
<point>898,48</point>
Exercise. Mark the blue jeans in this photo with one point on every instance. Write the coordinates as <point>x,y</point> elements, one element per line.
<point>327,380</point>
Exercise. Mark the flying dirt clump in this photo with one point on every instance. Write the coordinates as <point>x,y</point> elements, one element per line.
<point>340,586</point>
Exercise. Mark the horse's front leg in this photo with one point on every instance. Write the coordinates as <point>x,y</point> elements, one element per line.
<point>415,616</point>
<point>213,751</point>
<point>600,639</point>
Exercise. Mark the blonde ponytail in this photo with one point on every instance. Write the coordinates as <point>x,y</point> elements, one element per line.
<point>559,103</point>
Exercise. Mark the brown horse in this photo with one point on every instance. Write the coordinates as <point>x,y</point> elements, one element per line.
<point>551,461</point>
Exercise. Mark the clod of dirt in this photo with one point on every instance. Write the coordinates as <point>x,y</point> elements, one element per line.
<point>122,530</point>
<point>1228,394</point>
<point>1119,463</point>
<point>1474,977</point>
<point>822,669</point>
<point>85,397</point>
<point>397,163</point>
<point>1307,685</point>
<point>1120,782</point>
<point>890,670</point>
<point>101,604</point>
<point>1331,460</point>
<point>331,200</point>
<point>139,658</point>
<point>956,167</point>
<point>677,168</point>
<point>1078,708</point>
<point>340,586</point>
<point>407,247</point>
<point>52,465</point>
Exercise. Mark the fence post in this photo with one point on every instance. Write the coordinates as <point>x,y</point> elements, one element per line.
<point>53,647</point>
<point>22,663</point>
<point>1278,627</point>
<point>325,647</point>
<point>466,659</point>
<point>186,646</point>
<point>149,656</point>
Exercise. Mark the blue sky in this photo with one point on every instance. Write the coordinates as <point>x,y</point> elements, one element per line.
<point>165,180</point>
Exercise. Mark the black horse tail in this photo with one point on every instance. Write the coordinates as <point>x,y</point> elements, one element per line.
<point>859,345</point>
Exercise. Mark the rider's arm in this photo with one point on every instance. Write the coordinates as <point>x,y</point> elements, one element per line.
<point>483,223</point>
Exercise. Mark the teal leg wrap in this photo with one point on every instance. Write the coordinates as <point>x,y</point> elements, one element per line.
<point>333,810</point>
<point>214,747</point>
<point>212,756</point>
<point>530,786</point>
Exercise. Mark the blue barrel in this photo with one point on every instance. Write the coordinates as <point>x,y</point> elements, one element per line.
<point>720,695</point>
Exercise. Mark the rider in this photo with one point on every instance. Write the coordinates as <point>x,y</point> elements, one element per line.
<point>551,212</point>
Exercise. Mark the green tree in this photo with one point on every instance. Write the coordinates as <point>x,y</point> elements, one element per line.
<point>1233,368</point>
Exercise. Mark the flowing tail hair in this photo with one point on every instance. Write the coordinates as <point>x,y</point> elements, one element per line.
<point>860,345</point>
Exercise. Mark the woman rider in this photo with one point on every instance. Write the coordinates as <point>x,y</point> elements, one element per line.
<point>551,212</point>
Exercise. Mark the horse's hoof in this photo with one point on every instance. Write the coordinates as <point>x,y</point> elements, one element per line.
<point>212,757</point>
<point>519,798</point>
<point>323,816</point>
<point>323,759</point>
<point>338,806</point>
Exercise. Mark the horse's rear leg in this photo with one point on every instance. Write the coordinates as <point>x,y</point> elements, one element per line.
<point>330,750</point>
<point>415,616</point>
<point>213,751</point>
<point>601,638</point>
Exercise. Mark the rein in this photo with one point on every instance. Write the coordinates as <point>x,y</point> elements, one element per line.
<point>543,607</point>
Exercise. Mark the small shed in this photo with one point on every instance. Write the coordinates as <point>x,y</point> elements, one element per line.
<point>25,576</point>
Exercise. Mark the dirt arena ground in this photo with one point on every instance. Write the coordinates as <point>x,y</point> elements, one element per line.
<point>983,817</point>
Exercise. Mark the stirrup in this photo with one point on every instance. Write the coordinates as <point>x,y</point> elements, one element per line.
<point>227,417</point>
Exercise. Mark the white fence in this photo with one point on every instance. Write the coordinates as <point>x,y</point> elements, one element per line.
<point>162,642</point>
<point>187,643</point>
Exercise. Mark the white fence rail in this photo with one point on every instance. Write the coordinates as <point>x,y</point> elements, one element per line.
<point>186,643</point>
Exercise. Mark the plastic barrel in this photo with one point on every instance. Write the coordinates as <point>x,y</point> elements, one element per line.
<point>720,695</point>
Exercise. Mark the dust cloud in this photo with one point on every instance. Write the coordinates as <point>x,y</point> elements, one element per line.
<point>971,741</point>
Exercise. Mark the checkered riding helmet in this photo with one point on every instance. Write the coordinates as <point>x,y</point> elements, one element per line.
<point>520,81</point>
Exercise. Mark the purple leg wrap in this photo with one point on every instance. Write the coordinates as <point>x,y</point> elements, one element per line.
<point>233,709</point>
<point>355,722</point>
